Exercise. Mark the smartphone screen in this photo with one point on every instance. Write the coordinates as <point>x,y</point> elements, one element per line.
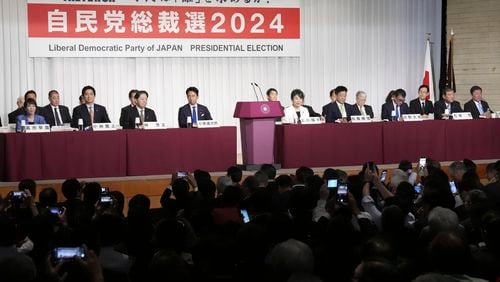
<point>181,174</point>
<point>418,188</point>
<point>55,210</point>
<point>453,187</point>
<point>422,162</point>
<point>244,214</point>
<point>68,253</point>
<point>383,175</point>
<point>106,199</point>
<point>332,183</point>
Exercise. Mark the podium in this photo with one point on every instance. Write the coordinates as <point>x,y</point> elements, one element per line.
<point>257,131</point>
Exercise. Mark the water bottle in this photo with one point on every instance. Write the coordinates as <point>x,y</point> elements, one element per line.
<point>80,124</point>
<point>137,122</point>
<point>23,126</point>
<point>189,122</point>
<point>393,115</point>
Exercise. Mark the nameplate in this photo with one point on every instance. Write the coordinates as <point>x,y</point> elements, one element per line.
<point>496,114</point>
<point>61,128</point>
<point>155,125</point>
<point>412,117</point>
<point>310,120</point>
<point>461,116</point>
<point>108,126</point>
<point>37,128</point>
<point>207,123</point>
<point>361,118</point>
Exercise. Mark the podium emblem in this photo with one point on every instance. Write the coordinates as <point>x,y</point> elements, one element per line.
<point>264,108</point>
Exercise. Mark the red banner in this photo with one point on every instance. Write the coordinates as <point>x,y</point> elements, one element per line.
<point>124,21</point>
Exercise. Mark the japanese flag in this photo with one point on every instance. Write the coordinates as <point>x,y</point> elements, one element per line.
<point>428,77</point>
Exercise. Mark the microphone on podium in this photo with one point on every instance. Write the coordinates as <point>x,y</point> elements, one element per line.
<point>254,91</point>
<point>260,90</point>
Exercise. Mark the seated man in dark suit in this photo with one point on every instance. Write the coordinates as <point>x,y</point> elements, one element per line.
<point>477,106</point>
<point>89,112</point>
<point>447,105</point>
<point>54,113</point>
<point>338,110</point>
<point>192,109</point>
<point>123,113</point>
<point>396,108</point>
<point>21,110</point>
<point>139,111</point>
<point>360,108</point>
<point>421,105</point>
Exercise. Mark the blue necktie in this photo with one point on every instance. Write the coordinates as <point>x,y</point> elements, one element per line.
<point>194,116</point>
<point>397,112</point>
<point>480,108</point>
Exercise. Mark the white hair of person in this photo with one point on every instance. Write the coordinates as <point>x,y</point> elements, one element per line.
<point>291,256</point>
<point>360,93</point>
<point>442,219</point>
<point>398,176</point>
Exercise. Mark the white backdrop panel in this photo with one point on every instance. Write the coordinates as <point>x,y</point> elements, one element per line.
<point>370,45</point>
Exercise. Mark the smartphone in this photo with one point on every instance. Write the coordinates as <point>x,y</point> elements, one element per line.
<point>453,187</point>
<point>418,188</point>
<point>182,174</point>
<point>65,253</point>
<point>422,162</point>
<point>332,183</point>
<point>55,210</point>
<point>342,191</point>
<point>383,175</point>
<point>18,194</point>
<point>106,200</point>
<point>244,214</point>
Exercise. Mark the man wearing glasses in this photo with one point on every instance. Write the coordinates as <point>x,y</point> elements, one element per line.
<point>395,109</point>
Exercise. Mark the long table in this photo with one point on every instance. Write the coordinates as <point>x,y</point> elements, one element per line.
<point>62,155</point>
<point>326,145</point>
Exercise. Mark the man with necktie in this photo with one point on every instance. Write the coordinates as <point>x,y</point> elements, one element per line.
<point>56,114</point>
<point>447,105</point>
<point>89,112</point>
<point>396,108</point>
<point>421,105</point>
<point>138,111</point>
<point>337,110</point>
<point>192,109</point>
<point>360,108</point>
<point>477,106</point>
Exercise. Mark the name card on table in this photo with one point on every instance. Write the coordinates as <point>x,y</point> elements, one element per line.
<point>412,117</point>
<point>462,116</point>
<point>107,126</point>
<point>310,120</point>
<point>37,128</point>
<point>361,118</point>
<point>61,128</point>
<point>155,125</point>
<point>496,114</point>
<point>207,123</point>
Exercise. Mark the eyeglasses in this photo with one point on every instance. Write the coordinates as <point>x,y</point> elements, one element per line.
<point>31,106</point>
